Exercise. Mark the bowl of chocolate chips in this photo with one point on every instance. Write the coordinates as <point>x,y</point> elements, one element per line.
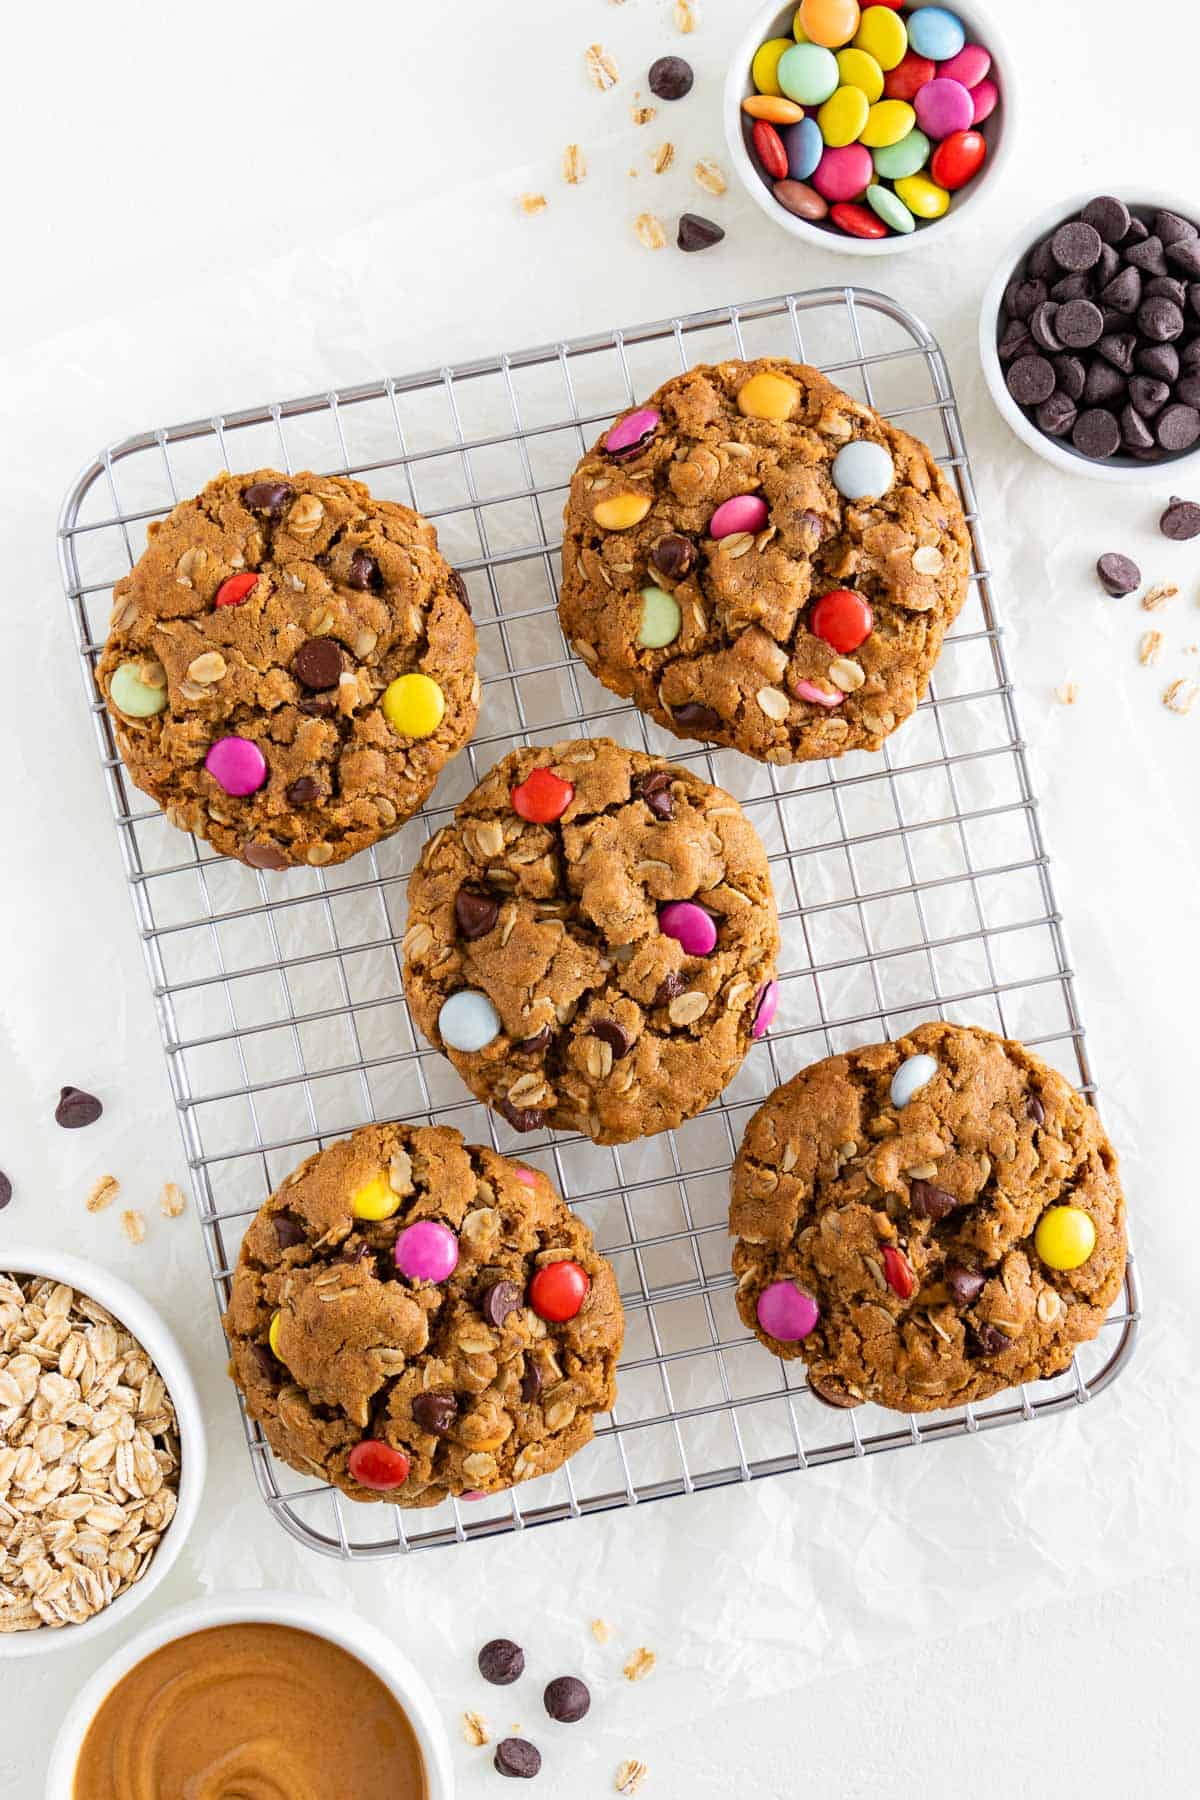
<point>1090,337</point>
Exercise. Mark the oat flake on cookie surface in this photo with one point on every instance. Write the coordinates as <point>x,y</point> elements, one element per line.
<point>705,528</point>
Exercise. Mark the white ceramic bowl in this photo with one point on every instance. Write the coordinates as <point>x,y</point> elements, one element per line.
<point>161,1346</point>
<point>1128,470</point>
<point>773,20</point>
<point>320,1617</point>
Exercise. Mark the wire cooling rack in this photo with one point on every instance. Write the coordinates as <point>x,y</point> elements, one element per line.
<point>911,884</point>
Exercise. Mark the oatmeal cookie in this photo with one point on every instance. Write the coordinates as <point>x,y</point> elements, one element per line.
<point>761,561</point>
<point>289,665</point>
<point>592,941</point>
<point>414,1317</point>
<point>927,1222</point>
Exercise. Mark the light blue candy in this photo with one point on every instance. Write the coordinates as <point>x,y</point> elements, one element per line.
<point>890,207</point>
<point>863,470</point>
<point>894,161</point>
<point>468,1021</point>
<point>808,74</point>
<point>935,32</point>
<point>805,147</point>
<point>914,1073</point>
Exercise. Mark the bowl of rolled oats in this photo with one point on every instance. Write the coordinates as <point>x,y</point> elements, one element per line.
<point>102,1451</point>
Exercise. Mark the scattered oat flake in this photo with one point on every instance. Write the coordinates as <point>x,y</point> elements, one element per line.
<point>640,1664</point>
<point>1181,696</point>
<point>650,231</point>
<point>171,1201</point>
<point>601,68</point>
<point>133,1224</point>
<point>642,115</point>
<point>685,15</point>
<point>103,1193</point>
<point>574,168</point>
<point>664,156</point>
<point>1158,595</point>
<point>1150,647</point>
<point>474,1730</point>
<point>532,203</point>
<point>1067,693</point>
<point>710,175</point>
<point>601,1630</point>
<point>630,1776</point>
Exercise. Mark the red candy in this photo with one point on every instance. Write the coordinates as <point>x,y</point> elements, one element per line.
<point>236,589</point>
<point>898,1272</point>
<point>909,74</point>
<point>376,1465</point>
<point>542,797</point>
<point>768,147</point>
<point>858,221</point>
<point>558,1291</point>
<point>843,619</point>
<point>958,158</point>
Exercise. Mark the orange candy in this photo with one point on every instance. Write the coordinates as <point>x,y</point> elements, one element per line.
<point>830,23</point>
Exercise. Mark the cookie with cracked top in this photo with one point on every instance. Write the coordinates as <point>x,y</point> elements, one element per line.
<point>401,1379</point>
<point>704,528</point>
<point>290,665</point>
<point>900,1215</point>
<point>592,941</point>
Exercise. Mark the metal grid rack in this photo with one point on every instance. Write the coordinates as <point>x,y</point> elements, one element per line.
<point>911,884</point>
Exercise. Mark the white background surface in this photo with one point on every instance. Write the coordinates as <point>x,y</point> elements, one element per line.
<point>210,207</point>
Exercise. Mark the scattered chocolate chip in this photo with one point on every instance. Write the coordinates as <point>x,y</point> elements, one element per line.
<point>460,590</point>
<point>701,719</point>
<point>303,790</point>
<point>1170,229</point>
<point>318,663</point>
<point>671,78</point>
<point>501,1662</point>
<point>265,856</point>
<point>268,497</point>
<point>537,1044</point>
<point>531,1383</point>
<point>829,1393</point>
<point>670,988</point>
<point>985,1340</point>
<point>1185,255</point>
<point>655,789</point>
<point>436,1413</point>
<point>612,1034</point>
<point>1079,324</point>
<point>929,1202</point>
<point>1178,427</point>
<point>364,571</point>
<point>1147,256</point>
<point>475,912</point>
<point>1119,575</point>
<point>1033,1107</point>
<point>1160,319</point>
<point>1108,216</point>
<point>1076,245</point>
<point>6,1190</point>
<point>1096,433</point>
<point>965,1284</point>
<point>1057,415</point>
<point>1124,291</point>
<point>566,1699</point>
<point>288,1230</point>
<point>1147,396</point>
<point>518,1758</point>
<point>521,1118</point>
<point>1180,521</point>
<point>76,1108</point>
<point>321,706</point>
<point>1103,384</point>
<point>673,555</point>
<point>1159,360</point>
<point>497,1301</point>
<point>698,233</point>
<point>1071,375</point>
<point>1030,380</point>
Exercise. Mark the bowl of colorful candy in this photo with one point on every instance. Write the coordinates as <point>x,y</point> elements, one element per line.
<point>862,128</point>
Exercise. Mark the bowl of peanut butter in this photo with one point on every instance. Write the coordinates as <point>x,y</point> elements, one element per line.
<point>274,1696</point>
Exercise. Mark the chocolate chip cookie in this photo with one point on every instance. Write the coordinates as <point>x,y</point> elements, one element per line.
<point>927,1222</point>
<point>289,666</point>
<point>414,1317</point>
<point>592,941</point>
<point>761,561</point>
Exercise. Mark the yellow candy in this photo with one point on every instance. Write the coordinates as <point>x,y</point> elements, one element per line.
<point>273,1337</point>
<point>798,31</point>
<point>622,511</point>
<point>858,69</point>
<point>922,196</point>
<point>887,123</point>
<point>768,397</point>
<point>829,22</point>
<point>374,1199</point>
<point>843,116</point>
<point>774,108</point>
<point>882,35</point>
<point>413,705</point>
<point>1065,1237</point>
<point>766,62</point>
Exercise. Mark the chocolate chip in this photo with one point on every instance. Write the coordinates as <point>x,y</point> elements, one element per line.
<point>475,912</point>
<point>1117,347</point>
<point>1189,354</point>
<point>1138,231</point>
<point>928,1202</point>
<point>1071,287</point>
<point>1148,396</point>
<point>321,706</point>
<point>1178,427</point>
<point>1103,384</point>
<point>265,856</point>
<point>6,1190</point>
<point>1076,245</point>
<point>1160,319</point>
<point>518,1758</point>
<point>1024,297</point>
<point>1108,266</point>
<point>497,1301</point>
<point>671,78</point>
<point>521,1118</point>
<point>288,1230</point>
<point>436,1413</point>
<point>1071,375</point>
<point>1056,415</point>
<point>537,1044</point>
<point>268,497</point>
<point>303,790</point>
<point>965,1284</point>
<point>1096,434</point>
<point>1169,228</point>
<point>1159,360</point>
<point>566,1699</point>
<point>829,1393</point>
<point>364,571</point>
<point>1185,255</point>
<point>318,663</point>
<point>1108,216</point>
<point>655,789</point>
<point>670,988</point>
<point>1043,325</point>
<point>1169,288</point>
<point>1030,380</point>
<point>814,524</point>
<point>985,1340</point>
<point>501,1662</point>
<point>1079,324</point>
<point>1188,390</point>
<point>76,1108</point>
<point>1033,1107</point>
<point>698,233</point>
<point>701,720</point>
<point>1119,575</point>
<point>1041,263</point>
<point>459,589</point>
<point>1180,521</point>
<point>1147,256</point>
<point>531,1383</point>
<point>1015,341</point>
<point>673,555</point>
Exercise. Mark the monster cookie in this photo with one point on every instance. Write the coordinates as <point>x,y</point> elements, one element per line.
<point>926,1222</point>
<point>289,666</point>
<point>414,1317</point>
<point>761,561</point>
<point>592,941</point>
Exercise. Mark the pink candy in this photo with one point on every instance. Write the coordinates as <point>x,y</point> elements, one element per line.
<point>237,764</point>
<point>969,66</point>
<point>844,173</point>
<point>765,1008</point>
<point>690,926</point>
<point>786,1312</point>
<point>745,512</point>
<point>426,1251</point>
<point>943,106</point>
<point>527,1176</point>
<point>808,690</point>
<point>632,431</point>
<point>986,98</point>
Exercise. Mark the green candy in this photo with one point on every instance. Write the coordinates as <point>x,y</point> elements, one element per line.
<point>133,696</point>
<point>894,161</point>
<point>891,208</point>
<point>661,619</point>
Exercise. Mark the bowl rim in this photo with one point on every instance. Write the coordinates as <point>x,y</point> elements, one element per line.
<point>1129,471</point>
<point>738,86</point>
<point>320,1617</point>
<point>164,1350</point>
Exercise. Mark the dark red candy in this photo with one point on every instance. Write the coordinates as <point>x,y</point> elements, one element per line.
<point>842,619</point>
<point>374,1464</point>
<point>898,1272</point>
<point>909,74</point>
<point>768,147</point>
<point>542,797</point>
<point>234,590</point>
<point>958,159</point>
<point>558,1291</point>
<point>857,221</point>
